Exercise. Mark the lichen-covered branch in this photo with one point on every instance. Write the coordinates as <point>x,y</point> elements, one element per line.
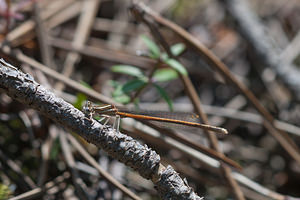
<point>146,162</point>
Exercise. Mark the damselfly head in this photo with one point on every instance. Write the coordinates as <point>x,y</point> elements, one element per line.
<point>87,108</point>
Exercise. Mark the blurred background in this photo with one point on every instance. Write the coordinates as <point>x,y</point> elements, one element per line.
<point>129,56</point>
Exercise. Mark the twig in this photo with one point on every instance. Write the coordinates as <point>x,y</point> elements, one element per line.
<point>291,51</point>
<point>8,16</point>
<point>26,121</point>
<point>42,35</point>
<point>145,161</point>
<point>104,54</point>
<point>260,189</point>
<point>236,103</point>
<point>40,190</point>
<point>45,154</point>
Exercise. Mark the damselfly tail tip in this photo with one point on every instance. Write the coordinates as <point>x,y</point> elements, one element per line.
<point>223,131</point>
<point>220,130</point>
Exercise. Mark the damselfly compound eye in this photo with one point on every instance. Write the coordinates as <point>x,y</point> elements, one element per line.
<point>86,109</point>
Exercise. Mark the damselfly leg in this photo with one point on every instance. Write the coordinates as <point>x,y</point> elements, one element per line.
<point>116,125</point>
<point>105,112</point>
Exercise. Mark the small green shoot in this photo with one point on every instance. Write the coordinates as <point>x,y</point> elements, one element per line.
<point>152,46</point>
<point>124,99</point>
<point>133,85</point>
<point>177,49</point>
<point>127,69</point>
<point>176,65</point>
<point>122,91</point>
<point>164,75</point>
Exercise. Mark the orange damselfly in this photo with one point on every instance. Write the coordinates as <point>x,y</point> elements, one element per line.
<point>109,110</point>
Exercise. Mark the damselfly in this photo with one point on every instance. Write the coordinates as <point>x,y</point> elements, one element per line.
<point>108,111</point>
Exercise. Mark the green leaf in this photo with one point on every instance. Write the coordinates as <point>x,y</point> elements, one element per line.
<point>117,88</point>
<point>124,99</point>
<point>164,95</point>
<point>118,91</point>
<point>153,48</point>
<point>133,85</point>
<point>119,94</point>
<point>127,69</point>
<point>113,83</point>
<point>164,56</point>
<point>176,65</point>
<point>166,74</point>
<point>177,49</point>
<point>80,99</point>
